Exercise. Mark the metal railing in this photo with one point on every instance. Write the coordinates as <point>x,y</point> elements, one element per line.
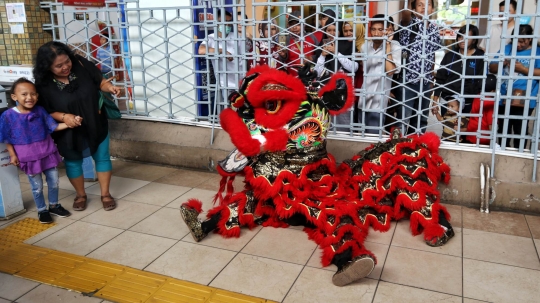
<point>157,59</point>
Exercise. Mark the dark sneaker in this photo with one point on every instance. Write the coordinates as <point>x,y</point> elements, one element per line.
<point>440,241</point>
<point>59,211</point>
<point>45,217</point>
<point>360,267</point>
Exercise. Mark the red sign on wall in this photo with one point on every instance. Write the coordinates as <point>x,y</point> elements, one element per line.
<point>93,3</point>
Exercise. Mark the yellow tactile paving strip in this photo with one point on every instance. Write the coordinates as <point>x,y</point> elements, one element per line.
<point>96,278</point>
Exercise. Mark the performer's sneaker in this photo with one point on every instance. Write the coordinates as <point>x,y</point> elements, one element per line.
<point>190,218</point>
<point>440,241</point>
<point>360,267</point>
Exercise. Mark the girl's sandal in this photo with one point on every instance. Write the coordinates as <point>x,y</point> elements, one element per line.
<point>79,203</point>
<point>108,204</point>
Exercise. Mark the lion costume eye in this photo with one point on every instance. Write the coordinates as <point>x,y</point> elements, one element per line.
<point>272,106</point>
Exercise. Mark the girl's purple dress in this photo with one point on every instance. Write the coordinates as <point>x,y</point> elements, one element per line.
<point>30,136</point>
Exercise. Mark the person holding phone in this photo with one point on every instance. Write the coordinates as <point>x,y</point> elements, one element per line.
<point>295,46</point>
<point>336,56</point>
<point>384,60</point>
<point>332,57</point>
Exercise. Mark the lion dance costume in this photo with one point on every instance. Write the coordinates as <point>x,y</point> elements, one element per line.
<point>278,124</point>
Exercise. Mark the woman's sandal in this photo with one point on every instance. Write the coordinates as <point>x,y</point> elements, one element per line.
<point>109,204</point>
<point>79,203</point>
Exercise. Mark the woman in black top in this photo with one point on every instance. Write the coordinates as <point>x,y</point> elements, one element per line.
<point>450,76</point>
<point>68,87</point>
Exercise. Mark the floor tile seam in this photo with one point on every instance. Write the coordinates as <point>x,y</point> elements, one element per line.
<point>160,207</point>
<point>203,182</point>
<point>494,233</point>
<point>159,236</point>
<point>27,291</point>
<point>146,203</point>
<point>294,282</point>
<point>235,255</point>
<point>124,168</point>
<point>311,256</point>
<point>51,233</point>
<point>504,264</point>
<point>426,289</point>
<point>273,259</point>
<point>87,255</point>
<point>534,242</point>
<point>384,263</point>
<point>426,251</point>
<point>88,214</point>
<point>479,300</point>
<point>206,245</point>
<point>151,182</point>
<point>154,260</point>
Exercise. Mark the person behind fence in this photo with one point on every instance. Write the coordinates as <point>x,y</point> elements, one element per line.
<point>452,122</point>
<point>418,79</point>
<point>334,56</point>
<point>516,102</point>
<point>485,107</point>
<point>248,46</point>
<point>296,46</point>
<point>26,130</point>
<point>104,55</point>
<point>267,49</point>
<point>222,43</point>
<point>69,86</point>
<point>383,60</point>
<point>454,78</point>
<point>493,41</point>
<point>323,20</point>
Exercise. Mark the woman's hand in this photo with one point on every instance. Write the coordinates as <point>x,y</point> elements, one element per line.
<point>282,52</point>
<point>108,87</point>
<point>72,120</point>
<point>520,68</point>
<point>329,49</point>
<point>389,33</point>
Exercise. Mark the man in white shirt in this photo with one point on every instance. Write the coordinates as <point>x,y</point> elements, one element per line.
<point>228,69</point>
<point>495,35</point>
<point>383,62</point>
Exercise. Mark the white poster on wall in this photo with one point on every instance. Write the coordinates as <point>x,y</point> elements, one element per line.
<point>15,12</point>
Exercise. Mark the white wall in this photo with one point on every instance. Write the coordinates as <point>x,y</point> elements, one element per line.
<point>154,47</point>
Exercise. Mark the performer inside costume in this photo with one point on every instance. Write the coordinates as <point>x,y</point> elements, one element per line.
<point>278,124</point>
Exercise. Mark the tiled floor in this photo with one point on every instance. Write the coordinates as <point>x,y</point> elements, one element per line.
<point>493,258</point>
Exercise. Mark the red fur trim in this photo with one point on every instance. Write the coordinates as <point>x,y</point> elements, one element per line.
<point>432,231</point>
<point>257,97</point>
<point>279,119</point>
<point>276,140</point>
<point>221,225</point>
<point>239,133</point>
<point>230,187</point>
<point>195,204</point>
<point>331,85</point>
<point>290,98</point>
<point>261,69</point>
<point>431,140</point>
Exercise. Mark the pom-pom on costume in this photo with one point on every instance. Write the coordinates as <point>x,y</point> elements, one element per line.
<point>278,124</point>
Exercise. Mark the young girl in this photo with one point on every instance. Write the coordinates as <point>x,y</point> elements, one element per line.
<point>26,130</point>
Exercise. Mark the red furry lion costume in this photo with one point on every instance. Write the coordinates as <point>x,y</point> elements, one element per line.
<point>278,124</point>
